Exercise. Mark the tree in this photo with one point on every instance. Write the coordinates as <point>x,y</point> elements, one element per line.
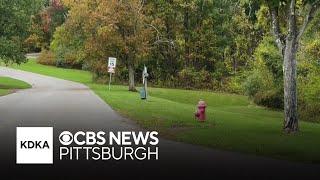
<point>164,54</point>
<point>125,29</point>
<point>288,45</point>
<point>133,32</point>
<point>14,25</point>
<point>105,28</point>
<point>44,23</point>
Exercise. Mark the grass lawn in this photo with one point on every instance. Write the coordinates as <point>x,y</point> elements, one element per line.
<point>233,124</point>
<point>7,85</point>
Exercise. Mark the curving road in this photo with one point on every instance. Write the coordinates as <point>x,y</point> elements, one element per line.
<point>72,106</point>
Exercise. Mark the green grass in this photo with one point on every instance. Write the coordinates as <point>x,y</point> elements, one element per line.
<point>233,124</point>
<point>4,92</point>
<point>68,74</point>
<point>7,85</point>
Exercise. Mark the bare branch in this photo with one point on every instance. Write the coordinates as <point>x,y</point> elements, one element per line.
<point>158,32</point>
<point>142,2</point>
<point>292,21</point>
<point>312,10</point>
<point>169,42</point>
<point>159,39</point>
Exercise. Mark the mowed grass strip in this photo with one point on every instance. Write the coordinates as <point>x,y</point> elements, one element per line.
<point>7,85</point>
<point>4,92</point>
<point>233,124</point>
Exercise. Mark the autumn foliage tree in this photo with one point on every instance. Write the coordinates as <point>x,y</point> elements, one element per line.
<point>44,23</point>
<point>106,28</point>
<point>127,29</point>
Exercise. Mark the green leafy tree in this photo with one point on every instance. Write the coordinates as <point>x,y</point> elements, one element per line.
<point>14,25</point>
<point>289,21</point>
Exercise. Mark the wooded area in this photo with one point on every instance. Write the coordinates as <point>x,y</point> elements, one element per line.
<point>268,50</point>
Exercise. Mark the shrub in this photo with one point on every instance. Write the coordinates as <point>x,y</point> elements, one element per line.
<point>267,54</point>
<point>309,111</point>
<point>67,50</point>
<point>203,80</point>
<point>312,49</point>
<point>272,99</point>
<point>309,97</point>
<point>33,43</point>
<point>235,84</point>
<point>189,78</point>
<point>186,78</point>
<point>264,83</point>
<point>100,71</point>
<point>46,58</point>
<point>253,84</point>
<point>70,60</point>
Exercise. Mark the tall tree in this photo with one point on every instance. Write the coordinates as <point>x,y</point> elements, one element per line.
<point>288,45</point>
<point>127,21</point>
<point>164,17</point>
<point>107,28</point>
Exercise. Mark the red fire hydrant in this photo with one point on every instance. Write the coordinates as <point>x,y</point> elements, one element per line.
<point>201,112</point>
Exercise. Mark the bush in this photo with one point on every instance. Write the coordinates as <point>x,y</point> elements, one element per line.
<point>235,84</point>
<point>309,97</point>
<point>67,50</point>
<point>253,84</point>
<point>186,78</point>
<point>312,49</point>
<point>189,78</point>
<point>309,111</point>
<point>267,54</point>
<point>100,71</point>
<point>69,60</point>
<point>264,83</point>
<point>46,58</point>
<point>204,80</point>
<point>263,90</point>
<point>272,99</point>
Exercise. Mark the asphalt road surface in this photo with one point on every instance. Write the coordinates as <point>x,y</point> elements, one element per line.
<point>71,106</point>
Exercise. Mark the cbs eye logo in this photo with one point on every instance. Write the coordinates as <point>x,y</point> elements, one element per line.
<point>66,138</point>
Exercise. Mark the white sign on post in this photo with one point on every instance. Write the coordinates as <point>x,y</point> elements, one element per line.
<point>112,62</point>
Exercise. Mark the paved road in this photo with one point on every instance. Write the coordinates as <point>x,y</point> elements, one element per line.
<point>33,55</point>
<point>71,106</point>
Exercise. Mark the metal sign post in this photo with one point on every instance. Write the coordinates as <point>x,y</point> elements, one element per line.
<point>145,80</point>
<point>111,68</point>
<point>110,81</point>
<point>144,90</point>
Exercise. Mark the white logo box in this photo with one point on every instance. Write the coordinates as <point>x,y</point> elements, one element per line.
<point>30,153</point>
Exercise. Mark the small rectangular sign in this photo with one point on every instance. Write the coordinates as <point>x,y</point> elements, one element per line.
<point>112,62</point>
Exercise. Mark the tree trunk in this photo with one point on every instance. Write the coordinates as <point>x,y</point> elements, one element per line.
<point>290,87</point>
<point>289,52</point>
<point>131,78</point>
<point>290,74</point>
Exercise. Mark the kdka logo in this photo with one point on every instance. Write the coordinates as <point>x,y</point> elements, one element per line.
<point>34,145</point>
